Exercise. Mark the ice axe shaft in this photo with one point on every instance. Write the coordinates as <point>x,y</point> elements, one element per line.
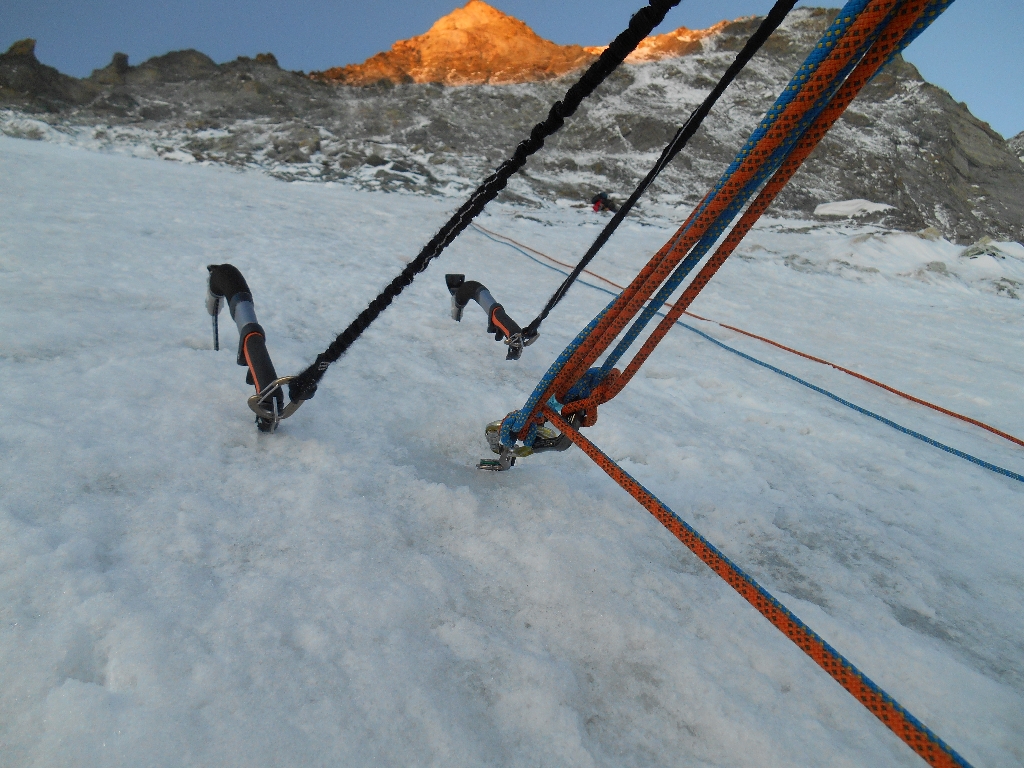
<point>499,323</point>
<point>227,285</point>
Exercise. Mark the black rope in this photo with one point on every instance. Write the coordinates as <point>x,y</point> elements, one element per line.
<point>683,135</point>
<point>641,25</point>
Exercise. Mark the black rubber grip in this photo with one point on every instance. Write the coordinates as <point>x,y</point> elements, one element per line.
<point>227,281</point>
<point>502,325</point>
<point>467,291</point>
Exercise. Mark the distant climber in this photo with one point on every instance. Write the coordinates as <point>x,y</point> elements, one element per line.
<point>601,202</point>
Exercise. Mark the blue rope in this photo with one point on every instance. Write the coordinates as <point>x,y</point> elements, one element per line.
<point>743,574</point>
<point>848,404</point>
<point>516,420</point>
<point>774,162</point>
<point>764,593</point>
<point>888,422</point>
<point>828,40</point>
<point>820,52</point>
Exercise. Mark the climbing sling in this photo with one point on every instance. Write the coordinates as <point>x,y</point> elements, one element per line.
<point>268,402</point>
<point>679,141</point>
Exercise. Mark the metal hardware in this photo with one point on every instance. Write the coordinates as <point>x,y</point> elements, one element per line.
<point>272,415</point>
<point>547,439</point>
<point>505,461</point>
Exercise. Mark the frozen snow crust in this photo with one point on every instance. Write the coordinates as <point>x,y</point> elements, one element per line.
<point>850,208</point>
<point>177,590</point>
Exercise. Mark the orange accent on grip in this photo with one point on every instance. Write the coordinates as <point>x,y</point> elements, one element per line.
<point>500,327</point>
<point>245,351</point>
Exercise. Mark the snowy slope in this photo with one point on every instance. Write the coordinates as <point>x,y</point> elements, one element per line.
<point>177,590</point>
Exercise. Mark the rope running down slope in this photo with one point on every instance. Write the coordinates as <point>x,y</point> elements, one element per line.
<point>864,411</point>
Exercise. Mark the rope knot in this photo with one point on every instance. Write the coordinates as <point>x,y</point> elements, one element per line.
<point>508,434</point>
<point>593,389</point>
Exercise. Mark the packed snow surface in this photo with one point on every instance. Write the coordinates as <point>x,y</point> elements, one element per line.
<point>176,589</point>
<point>849,208</point>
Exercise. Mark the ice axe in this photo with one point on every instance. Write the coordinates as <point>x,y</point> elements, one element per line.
<point>226,285</point>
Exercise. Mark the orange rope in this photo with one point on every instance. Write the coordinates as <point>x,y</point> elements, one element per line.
<point>869,380</point>
<point>865,70</point>
<point>662,265</point>
<point>586,404</point>
<point>545,256</point>
<point>882,706</point>
<point>248,362</point>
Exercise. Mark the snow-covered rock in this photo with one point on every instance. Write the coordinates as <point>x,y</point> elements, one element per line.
<point>472,45</point>
<point>903,142</point>
<point>1016,145</point>
<point>850,208</point>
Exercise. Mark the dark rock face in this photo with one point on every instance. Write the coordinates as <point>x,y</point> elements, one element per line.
<point>909,144</point>
<point>903,142</point>
<point>114,72</point>
<point>25,82</point>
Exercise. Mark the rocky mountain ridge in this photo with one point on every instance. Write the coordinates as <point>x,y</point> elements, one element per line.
<point>678,42</point>
<point>903,143</point>
<point>477,44</point>
<point>473,45</point>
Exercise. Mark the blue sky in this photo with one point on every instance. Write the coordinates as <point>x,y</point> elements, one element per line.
<point>974,50</point>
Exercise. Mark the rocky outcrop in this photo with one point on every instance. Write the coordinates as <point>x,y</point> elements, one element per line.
<point>1016,145</point>
<point>473,45</point>
<point>174,67</point>
<point>25,82</point>
<point>114,72</point>
<point>679,42</point>
<point>928,156</point>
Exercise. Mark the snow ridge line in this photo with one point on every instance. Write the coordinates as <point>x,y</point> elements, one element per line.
<point>893,715</point>
<point>888,422</point>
